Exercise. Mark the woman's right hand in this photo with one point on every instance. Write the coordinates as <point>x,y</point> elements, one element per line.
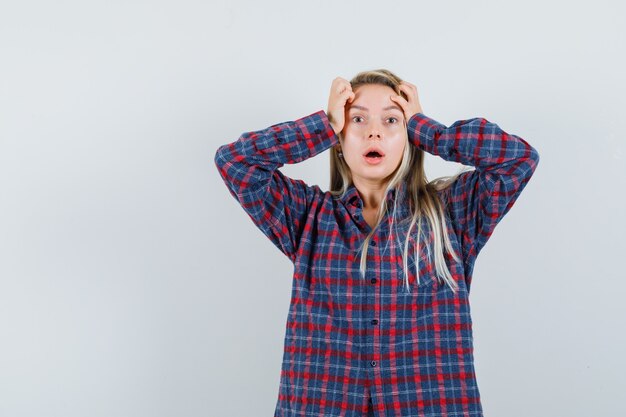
<point>340,93</point>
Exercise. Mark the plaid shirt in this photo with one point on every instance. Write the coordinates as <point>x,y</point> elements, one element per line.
<point>353,345</point>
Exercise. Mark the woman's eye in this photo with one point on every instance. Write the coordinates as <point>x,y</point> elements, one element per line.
<point>393,120</point>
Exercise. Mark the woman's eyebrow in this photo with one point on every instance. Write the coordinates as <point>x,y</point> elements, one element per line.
<point>357,107</point>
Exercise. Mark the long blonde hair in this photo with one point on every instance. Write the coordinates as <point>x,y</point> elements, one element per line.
<point>423,200</point>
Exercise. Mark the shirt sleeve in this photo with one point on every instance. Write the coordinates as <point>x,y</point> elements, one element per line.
<point>277,204</point>
<point>478,199</point>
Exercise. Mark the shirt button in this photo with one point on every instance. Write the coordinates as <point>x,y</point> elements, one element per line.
<point>317,131</point>
<point>373,363</point>
<point>375,321</point>
<point>373,281</point>
<point>373,242</point>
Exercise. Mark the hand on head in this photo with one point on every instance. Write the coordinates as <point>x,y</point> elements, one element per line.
<point>340,93</point>
<point>412,106</point>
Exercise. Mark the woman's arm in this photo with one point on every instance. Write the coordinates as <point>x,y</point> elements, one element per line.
<point>277,204</point>
<point>480,198</point>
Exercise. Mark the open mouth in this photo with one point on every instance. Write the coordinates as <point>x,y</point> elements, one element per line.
<point>373,157</point>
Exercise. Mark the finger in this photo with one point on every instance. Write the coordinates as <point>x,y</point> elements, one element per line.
<point>343,87</point>
<point>347,92</point>
<point>411,96</point>
<point>406,89</point>
<point>400,100</point>
<point>402,103</point>
<point>410,90</point>
<point>338,84</point>
<point>412,86</point>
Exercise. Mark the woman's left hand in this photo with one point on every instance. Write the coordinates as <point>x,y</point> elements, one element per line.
<point>412,106</point>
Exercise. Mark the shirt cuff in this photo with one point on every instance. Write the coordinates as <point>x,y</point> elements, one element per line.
<point>422,128</point>
<point>317,130</point>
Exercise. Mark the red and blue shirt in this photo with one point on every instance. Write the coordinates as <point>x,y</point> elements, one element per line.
<point>352,344</point>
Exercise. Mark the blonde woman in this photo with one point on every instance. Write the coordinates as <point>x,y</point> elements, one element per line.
<point>379,321</point>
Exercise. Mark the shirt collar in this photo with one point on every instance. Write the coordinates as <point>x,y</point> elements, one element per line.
<point>353,197</point>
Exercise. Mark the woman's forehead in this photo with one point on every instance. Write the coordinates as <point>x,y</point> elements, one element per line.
<point>373,97</point>
<point>365,109</point>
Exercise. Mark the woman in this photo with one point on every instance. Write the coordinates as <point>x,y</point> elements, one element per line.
<point>379,321</point>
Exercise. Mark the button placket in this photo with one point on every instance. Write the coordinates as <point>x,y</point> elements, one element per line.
<point>374,321</point>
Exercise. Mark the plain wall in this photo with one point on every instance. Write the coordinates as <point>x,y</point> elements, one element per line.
<point>133,284</point>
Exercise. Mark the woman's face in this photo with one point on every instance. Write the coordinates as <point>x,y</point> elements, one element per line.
<point>373,120</point>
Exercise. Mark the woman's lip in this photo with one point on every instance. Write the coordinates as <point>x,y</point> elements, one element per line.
<point>372,160</point>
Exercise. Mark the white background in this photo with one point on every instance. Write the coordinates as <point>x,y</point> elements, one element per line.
<point>132,283</point>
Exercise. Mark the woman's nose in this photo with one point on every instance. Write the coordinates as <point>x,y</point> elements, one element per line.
<point>374,129</point>
<point>374,133</point>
